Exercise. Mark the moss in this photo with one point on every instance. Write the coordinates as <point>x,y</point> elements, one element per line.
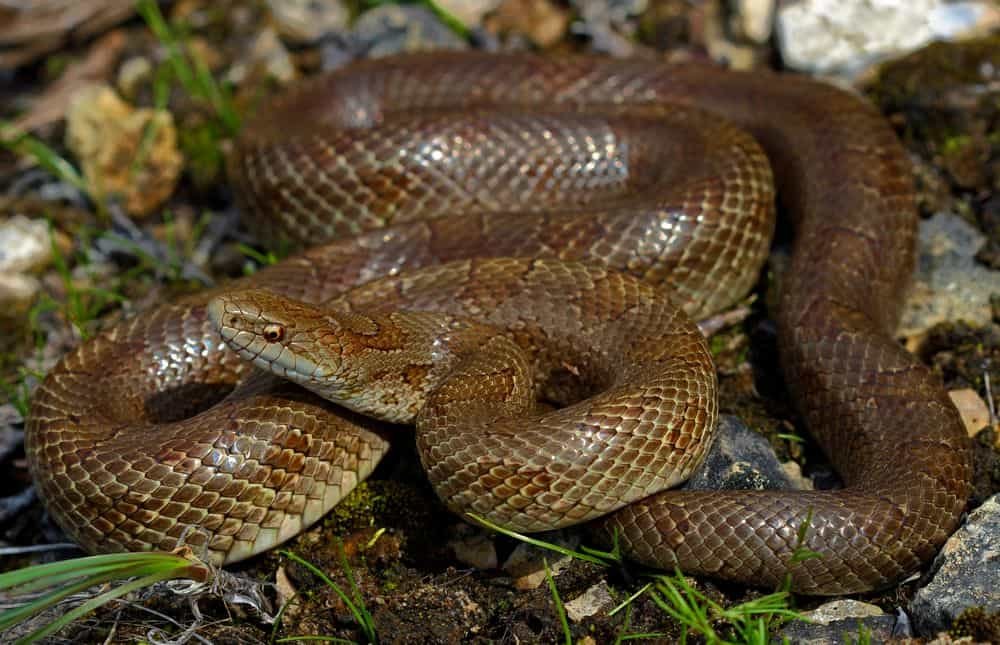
<point>978,624</point>
<point>378,503</point>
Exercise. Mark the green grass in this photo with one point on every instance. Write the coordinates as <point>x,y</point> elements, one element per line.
<point>45,586</point>
<point>18,390</point>
<point>353,601</point>
<point>189,71</point>
<point>558,603</point>
<point>258,258</point>
<point>749,623</point>
<point>25,145</point>
<point>170,261</point>
<point>81,305</point>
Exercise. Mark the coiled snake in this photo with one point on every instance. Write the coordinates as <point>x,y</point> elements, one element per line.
<point>137,440</point>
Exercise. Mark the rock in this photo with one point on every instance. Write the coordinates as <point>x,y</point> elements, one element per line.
<point>394,29</point>
<point>975,414</point>
<point>845,36</point>
<point>950,285</point>
<point>526,563</point>
<point>307,21</point>
<point>608,23</point>
<point>842,609</point>
<point>132,74</point>
<point>965,574</point>
<point>469,12</point>
<point>24,245</point>
<point>541,21</point>
<point>473,547</point>
<point>267,54</point>
<point>17,291</point>
<point>841,621</point>
<point>595,599</point>
<point>24,248</point>
<point>739,459</point>
<point>753,19</point>
<point>111,140</point>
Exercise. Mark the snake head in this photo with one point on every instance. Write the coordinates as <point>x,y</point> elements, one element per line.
<point>292,339</point>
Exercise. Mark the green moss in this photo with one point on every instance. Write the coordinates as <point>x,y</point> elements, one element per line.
<point>378,503</point>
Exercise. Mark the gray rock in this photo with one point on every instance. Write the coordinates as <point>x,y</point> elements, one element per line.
<point>526,563</point>
<point>609,24</point>
<point>950,283</point>
<point>965,574</point>
<point>386,30</point>
<point>596,598</point>
<point>844,37</point>
<point>392,29</point>
<point>842,621</point>
<point>876,629</point>
<point>739,459</point>
<point>472,546</point>
<point>306,21</point>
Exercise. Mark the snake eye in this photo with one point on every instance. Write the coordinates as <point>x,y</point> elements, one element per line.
<point>273,333</point>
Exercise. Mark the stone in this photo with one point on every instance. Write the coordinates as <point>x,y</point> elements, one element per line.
<point>268,54</point>
<point>842,609</point>
<point>739,459</point>
<point>474,548</point>
<point>307,21</point>
<point>754,19</point>
<point>608,24</point>
<point>543,22</point>
<point>838,622</point>
<point>468,12</point>
<point>844,37</point>
<point>950,284</point>
<point>965,574</point>
<point>394,29</point>
<point>132,74</point>
<point>24,245</point>
<point>973,410</point>
<point>526,563</point>
<point>118,157</point>
<point>596,598</point>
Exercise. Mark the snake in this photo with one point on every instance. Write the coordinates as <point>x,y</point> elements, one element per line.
<point>506,250</point>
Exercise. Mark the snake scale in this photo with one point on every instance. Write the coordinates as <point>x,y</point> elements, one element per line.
<point>543,168</point>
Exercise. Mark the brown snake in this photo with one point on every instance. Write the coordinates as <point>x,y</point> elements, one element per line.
<point>571,159</point>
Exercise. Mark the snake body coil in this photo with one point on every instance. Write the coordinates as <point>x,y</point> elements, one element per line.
<point>569,160</point>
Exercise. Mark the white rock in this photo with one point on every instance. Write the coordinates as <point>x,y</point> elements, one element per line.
<point>24,244</point>
<point>754,19</point>
<point>841,609</point>
<point>591,601</point>
<point>469,12</point>
<point>845,36</point>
